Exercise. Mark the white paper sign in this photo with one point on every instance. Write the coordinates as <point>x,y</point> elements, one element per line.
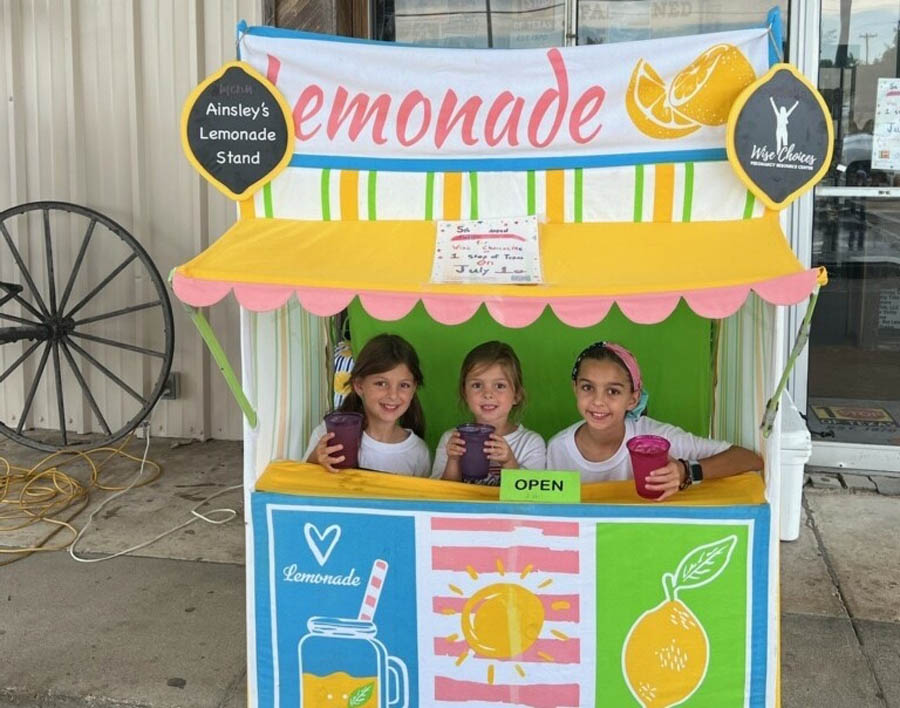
<point>889,309</point>
<point>497,251</point>
<point>886,137</point>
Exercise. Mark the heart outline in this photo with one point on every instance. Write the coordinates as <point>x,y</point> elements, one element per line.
<point>309,529</point>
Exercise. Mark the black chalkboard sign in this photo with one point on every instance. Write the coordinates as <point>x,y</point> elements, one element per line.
<point>237,130</point>
<point>780,136</point>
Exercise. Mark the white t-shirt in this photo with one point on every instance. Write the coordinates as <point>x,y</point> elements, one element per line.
<point>409,457</point>
<point>563,453</point>
<point>527,446</point>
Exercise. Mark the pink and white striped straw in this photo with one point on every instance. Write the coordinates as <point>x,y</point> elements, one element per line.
<point>373,591</point>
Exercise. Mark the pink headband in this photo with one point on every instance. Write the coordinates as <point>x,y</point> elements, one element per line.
<point>626,356</point>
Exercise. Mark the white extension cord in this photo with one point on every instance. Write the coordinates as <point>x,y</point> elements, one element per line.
<point>224,514</point>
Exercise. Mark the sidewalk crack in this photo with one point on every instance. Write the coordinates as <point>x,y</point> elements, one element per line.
<point>836,583</point>
<point>233,688</point>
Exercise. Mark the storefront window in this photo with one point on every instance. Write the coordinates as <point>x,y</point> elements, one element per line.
<point>542,23</point>
<point>500,24</point>
<point>854,377</point>
<point>603,21</point>
<point>858,48</point>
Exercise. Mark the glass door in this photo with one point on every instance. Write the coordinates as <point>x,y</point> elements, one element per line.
<point>854,352</point>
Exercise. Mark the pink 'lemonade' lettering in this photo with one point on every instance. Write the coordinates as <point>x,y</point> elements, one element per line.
<point>362,113</point>
<point>559,94</point>
<point>511,127</point>
<point>403,115</point>
<point>362,116</point>
<point>303,111</point>
<point>593,97</point>
<point>446,119</point>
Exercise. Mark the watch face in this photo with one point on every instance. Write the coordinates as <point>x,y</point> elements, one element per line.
<point>696,472</point>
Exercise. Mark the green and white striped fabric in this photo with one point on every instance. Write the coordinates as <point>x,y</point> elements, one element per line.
<point>701,191</point>
<point>744,374</point>
<point>285,377</point>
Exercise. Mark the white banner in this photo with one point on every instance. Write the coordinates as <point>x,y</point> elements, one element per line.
<point>375,105</point>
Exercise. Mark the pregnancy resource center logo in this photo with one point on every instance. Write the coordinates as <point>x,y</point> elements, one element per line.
<point>785,155</point>
<point>321,545</point>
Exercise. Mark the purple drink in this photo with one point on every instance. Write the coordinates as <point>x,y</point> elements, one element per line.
<point>474,464</point>
<point>347,429</point>
<point>648,453</point>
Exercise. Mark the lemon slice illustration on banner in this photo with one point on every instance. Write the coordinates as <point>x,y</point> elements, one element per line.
<point>666,652</point>
<point>647,103</point>
<point>705,89</point>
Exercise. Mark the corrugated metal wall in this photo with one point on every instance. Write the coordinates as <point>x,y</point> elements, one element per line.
<point>92,92</point>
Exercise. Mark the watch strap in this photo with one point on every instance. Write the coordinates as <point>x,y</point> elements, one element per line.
<point>687,481</point>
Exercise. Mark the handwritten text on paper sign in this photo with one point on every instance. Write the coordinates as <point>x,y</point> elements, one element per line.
<point>497,251</point>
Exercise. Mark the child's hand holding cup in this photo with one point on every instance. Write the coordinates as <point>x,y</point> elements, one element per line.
<point>474,463</point>
<point>648,454</point>
<point>346,430</point>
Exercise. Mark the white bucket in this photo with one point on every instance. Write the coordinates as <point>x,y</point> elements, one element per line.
<point>796,449</point>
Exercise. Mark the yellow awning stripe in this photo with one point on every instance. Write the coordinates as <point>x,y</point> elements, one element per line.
<point>556,202</point>
<point>577,260</point>
<point>452,196</point>
<point>349,191</point>
<point>663,192</point>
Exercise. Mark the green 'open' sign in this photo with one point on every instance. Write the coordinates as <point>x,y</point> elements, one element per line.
<point>544,487</point>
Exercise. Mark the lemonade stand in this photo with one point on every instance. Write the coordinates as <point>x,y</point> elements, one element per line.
<point>371,589</point>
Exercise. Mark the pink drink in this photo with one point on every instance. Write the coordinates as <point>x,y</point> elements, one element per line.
<point>474,464</point>
<point>347,429</point>
<point>648,453</point>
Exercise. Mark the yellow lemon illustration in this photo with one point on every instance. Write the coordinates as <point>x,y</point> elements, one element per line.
<point>706,88</point>
<point>647,103</point>
<point>502,620</point>
<point>665,655</point>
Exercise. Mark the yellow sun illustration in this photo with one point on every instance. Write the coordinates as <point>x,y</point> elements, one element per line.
<point>503,620</point>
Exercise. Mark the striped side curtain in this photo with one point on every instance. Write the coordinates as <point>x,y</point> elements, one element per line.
<point>285,376</point>
<point>743,366</point>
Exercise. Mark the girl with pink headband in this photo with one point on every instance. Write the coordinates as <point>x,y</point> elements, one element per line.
<point>611,399</point>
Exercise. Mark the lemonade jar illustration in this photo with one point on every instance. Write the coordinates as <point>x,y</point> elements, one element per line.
<point>342,663</point>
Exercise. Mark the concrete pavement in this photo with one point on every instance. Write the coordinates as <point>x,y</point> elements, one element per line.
<point>165,628</point>
<point>840,602</point>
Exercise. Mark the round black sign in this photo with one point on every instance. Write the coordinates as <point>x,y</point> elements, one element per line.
<point>236,130</point>
<point>780,142</point>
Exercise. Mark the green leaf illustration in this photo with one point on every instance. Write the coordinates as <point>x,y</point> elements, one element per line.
<point>703,564</point>
<point>361,695</point>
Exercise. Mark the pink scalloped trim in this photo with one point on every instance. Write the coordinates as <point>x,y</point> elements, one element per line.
<point>262,298</point>
<point>516,312</point>
<point>789,289</point>
<point>718,303</point>
<point>510,312</point>
<point>582,311</point>
<point>450,309</point>
<point>324,302</point>
<point>199,293</point>
<point>388,307</point>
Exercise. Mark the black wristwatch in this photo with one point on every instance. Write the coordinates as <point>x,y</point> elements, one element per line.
<point>693,473</point>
